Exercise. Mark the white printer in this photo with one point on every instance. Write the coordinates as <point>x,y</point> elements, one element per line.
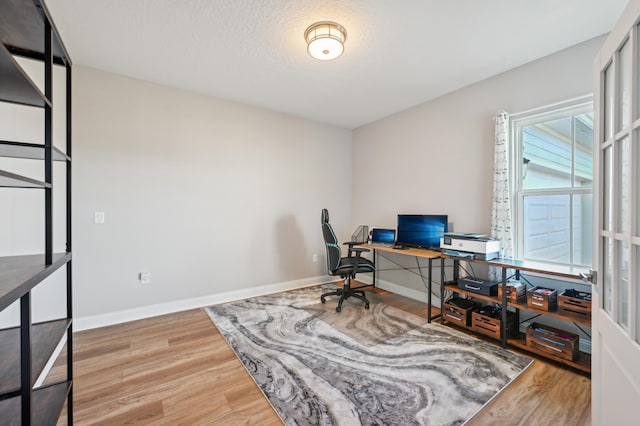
<point>478,246</point>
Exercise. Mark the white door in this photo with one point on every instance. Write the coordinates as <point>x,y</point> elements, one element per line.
<point>616,297</point>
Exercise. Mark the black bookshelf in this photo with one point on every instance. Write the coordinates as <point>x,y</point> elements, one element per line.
<point>27,30</point>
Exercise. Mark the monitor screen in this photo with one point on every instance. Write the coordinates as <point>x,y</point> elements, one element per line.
<point>386,236</point>
<point>421,230</point>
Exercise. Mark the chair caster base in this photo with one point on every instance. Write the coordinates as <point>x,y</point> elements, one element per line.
<point>345,293</point>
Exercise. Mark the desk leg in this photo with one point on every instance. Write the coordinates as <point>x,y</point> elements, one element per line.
<point>375,262</point>
<point>504,307</point>
<point>442,281</point>
<point>429,295</point>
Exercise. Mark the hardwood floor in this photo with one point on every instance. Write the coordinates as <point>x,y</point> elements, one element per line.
<point>178,369</point>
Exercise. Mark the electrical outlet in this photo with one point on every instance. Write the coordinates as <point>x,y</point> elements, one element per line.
<point>315,258</point>
<point>145,277</point>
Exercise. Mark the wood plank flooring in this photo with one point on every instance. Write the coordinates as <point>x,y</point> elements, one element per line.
<point>178,369</point>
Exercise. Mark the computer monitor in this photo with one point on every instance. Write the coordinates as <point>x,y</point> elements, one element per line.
<point>383,236</point>
<point>421,230</point>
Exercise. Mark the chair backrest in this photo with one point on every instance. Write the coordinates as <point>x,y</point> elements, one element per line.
<point>331,243</point>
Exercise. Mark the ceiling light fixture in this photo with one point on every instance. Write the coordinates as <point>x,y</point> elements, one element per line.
<point>325,40</point>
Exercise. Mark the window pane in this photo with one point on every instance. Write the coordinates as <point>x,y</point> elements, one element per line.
<point>625,86</point>
<point>582,229</point>
<point>608,103</point>
<point>546,151</point>
<point>637,263</point>
<point>623,283</point>
<point>623,182</point>
<point>583,135</point>
<point>607,185</point>
<point>637,86</point>
<point>636,165</point>
<point>607,279</point>
<point>555,153</point>
<point>546,228</point>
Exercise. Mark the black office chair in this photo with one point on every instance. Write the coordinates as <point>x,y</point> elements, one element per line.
<point>345,267</point>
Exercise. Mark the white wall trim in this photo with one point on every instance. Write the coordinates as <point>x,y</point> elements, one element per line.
<point>118,317</point>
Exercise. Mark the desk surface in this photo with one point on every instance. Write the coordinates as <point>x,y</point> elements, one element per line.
<point>410,251</point>
<point>562,271</point>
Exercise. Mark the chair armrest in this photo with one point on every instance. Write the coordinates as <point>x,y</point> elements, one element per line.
<point>357,251</point>
<point>353,243</point>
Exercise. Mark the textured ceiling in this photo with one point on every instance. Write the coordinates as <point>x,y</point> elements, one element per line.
<point>397,54</point>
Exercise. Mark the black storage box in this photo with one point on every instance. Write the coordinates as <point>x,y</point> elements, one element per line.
<point>477,285</point>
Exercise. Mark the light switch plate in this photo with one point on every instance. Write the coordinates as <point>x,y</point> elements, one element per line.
<point>98,217</point>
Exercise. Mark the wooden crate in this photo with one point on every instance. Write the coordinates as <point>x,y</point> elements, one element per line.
<point>553,341</point>
<point>484,321</point>
<point>516,292</point>
<point>542,298</point>
<point>575,302</point>
<point>457,315</point>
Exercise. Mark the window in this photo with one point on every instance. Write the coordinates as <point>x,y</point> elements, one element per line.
<point>553,181</point>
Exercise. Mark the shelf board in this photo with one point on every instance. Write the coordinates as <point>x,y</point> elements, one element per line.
<point>523,306</point>
<point>586,321</point>
<point>11,180</point>
<point>47,405</point>
<point>552,269</point>
<point>45,337</point>
<point>15,84</point>
<point>582,363</point>
<point>19,274</point>
<point>32,151</point>
<point>455,288</point>
<point>22,28</point>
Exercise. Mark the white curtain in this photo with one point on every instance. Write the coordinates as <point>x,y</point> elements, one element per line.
<point>501,219</point>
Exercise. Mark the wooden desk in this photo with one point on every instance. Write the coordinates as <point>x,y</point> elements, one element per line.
<point>410,251</point>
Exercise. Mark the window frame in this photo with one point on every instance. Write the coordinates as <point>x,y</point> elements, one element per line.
<point>519,121</point>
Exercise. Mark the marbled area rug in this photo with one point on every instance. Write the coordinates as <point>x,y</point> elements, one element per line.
<point>378,366</point>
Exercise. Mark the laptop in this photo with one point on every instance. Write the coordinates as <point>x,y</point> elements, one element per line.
<point>383,237</point>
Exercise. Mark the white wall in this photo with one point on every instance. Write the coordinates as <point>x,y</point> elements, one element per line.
<point>215,198</point>
<point>438,156</point>
<point>210,196</point>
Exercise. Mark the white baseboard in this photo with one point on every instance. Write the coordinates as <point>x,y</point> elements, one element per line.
<point>118,317</point>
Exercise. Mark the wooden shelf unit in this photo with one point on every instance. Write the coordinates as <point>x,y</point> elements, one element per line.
<point>523,306</point>
<point>583,361</point>
<point>26,30</point>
